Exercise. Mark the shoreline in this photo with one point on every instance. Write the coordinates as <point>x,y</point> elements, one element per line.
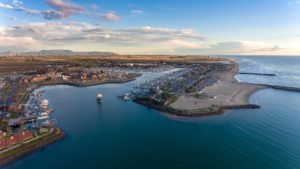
<point>194,113</point>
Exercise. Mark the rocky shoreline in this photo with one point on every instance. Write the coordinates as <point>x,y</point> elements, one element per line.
<point>193,113</point>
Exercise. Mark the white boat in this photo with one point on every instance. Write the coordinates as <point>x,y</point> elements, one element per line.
<point>43,117</point>
<point>44,114</point>
<point>44,103</point>
<point>126,97</point>
<point>99,98</point>
<point>48,123</point>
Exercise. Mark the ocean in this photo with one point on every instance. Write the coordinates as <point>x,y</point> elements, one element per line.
<point>120,134</point>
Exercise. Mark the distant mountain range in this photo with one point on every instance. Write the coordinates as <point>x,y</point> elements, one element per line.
<point>57,53</point>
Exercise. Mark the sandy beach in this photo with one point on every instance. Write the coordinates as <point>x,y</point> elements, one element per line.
<point>226,92</point>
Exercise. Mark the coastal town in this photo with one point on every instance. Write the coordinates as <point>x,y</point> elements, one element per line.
<point>193,86</point>
<point>25,116</point>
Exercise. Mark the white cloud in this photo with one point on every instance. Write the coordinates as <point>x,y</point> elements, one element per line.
<point>28,11</point>
<point>53,34</point>
<point>18,44</point>
<point>62,9</point>
<point>294,3</point>
<point>235,48</point>
<point>183,33</point>
<point>244,47</point>
<point>137,12</point>
<point>17,3</point>
<point>178,43</point>
<point>110,17</point>
<point>150,40</point>
<point>5,6</point>
<point>18,6</point>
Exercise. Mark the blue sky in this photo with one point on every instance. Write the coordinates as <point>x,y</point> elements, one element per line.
<point>152,27</point>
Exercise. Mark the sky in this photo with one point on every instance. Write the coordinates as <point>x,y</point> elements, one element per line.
<point>210,27</point>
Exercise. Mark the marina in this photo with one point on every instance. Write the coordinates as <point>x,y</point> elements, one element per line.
<point>185,78</point>
<point>34,117</point>
<point>37,110</point>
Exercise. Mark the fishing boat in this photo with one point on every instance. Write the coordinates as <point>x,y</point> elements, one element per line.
<point>99,98</point>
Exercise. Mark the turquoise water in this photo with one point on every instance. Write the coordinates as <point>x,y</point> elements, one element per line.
<point>121,134</point>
